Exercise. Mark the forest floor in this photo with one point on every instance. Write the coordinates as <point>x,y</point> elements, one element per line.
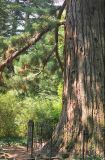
<point>14,153</point>
<point>18,152</point>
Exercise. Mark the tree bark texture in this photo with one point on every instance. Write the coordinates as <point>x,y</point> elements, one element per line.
<point>84,80</point>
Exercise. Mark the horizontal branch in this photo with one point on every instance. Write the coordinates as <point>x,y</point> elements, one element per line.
<point>31,42</point>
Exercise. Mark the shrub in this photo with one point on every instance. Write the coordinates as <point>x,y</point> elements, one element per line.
<point>16,112</point>
<point>8,111</point>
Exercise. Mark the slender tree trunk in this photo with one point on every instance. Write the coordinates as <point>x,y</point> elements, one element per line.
<point>84,80</point>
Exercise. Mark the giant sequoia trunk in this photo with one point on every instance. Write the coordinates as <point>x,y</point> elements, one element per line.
<point>84,77</point>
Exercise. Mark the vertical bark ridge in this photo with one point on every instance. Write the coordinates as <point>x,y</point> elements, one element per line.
<point>84,79</point>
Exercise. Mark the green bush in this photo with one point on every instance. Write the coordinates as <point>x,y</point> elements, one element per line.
<point>8,112</point>
<point>15,112</point>
<point>41,111</point>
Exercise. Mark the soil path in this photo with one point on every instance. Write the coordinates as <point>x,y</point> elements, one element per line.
<point>15,153</point>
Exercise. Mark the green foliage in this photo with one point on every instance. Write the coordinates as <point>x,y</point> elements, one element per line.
<point>18,16</point>
<point>60,90</point>
<point>19,40</point>
<point>15,112</point>
<point>13,141</point>
<point>25,94</point>
<point>40,110</point>
<point>8,111</point>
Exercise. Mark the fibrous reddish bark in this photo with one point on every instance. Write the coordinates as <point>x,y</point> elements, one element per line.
<point>84,80</point>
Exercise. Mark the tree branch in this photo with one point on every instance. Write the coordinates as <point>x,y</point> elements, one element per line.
<point>49,56</point>
<point>31,42</point>
<point>61,10</point>
<point>56,35</point>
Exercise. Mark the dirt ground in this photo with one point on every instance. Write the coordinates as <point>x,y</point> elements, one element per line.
<point>14,153</point>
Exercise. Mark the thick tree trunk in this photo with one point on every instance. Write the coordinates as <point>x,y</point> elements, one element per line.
<point>84,80</point>
<point>81,127</point>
